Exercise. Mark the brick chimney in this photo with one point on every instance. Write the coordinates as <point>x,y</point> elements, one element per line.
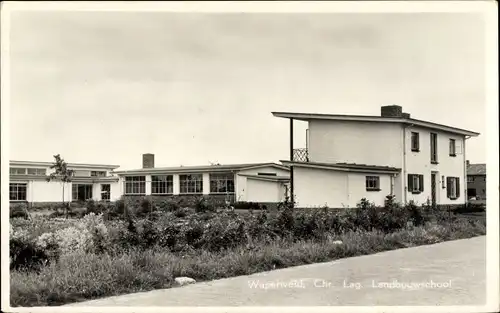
<point>148,160</point>
<point>391,111</point>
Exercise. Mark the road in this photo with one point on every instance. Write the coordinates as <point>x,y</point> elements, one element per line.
<point>449,273</point>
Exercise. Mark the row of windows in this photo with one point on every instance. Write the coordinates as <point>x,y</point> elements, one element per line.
<point>415,146</point>
<point>80,192</point>
<point>28,171</point>
<point>191,183</point>
<point>452,185</point>
<point>471,179</point>
<point>43,172</point>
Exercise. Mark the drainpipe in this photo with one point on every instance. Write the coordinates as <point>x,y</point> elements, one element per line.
<point>465,170</point>
<point>405,175</point>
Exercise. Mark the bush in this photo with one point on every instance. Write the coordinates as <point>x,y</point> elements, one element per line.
<point>247,206</point>
<point>18,210</point>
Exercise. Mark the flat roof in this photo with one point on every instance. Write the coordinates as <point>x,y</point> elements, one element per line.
<point>372,118</point>
<point>74,165</point>
<point>202,168</point>
<point>349,167</point>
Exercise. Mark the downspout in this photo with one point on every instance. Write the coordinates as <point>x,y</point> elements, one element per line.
<point>405,191</point>
<point>405,175</point>
<point>465,170</point>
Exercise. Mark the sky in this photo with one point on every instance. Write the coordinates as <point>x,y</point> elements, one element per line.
<point>194,88</point>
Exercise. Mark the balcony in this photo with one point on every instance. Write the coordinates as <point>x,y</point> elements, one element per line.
<point>300,155</point>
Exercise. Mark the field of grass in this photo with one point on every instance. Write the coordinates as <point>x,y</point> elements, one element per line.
<point>55,261</point>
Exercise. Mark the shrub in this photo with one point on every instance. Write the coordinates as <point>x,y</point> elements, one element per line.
<point>169,206</point>
<point>18,210</point>
<point>247,205</point>
<point>202,205</point>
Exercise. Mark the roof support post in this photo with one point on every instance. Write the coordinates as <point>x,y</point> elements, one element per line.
<point>291,160</point>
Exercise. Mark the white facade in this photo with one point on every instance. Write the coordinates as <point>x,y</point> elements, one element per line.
<point>259,183</point>
<point>28,182</point>
<point>389,144</point>
<point>319,187</point>
<point>373,141</point>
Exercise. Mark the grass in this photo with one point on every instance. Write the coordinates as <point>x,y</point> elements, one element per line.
<point>80,276</point>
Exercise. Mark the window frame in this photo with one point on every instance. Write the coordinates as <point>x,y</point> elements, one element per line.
<point>108,192</point>
<point>415,141</point>
<point>97,173</point>
<point>415,183</point>
<point>452,148</point>
<point>135,183</point>
<point>372,179</point>
<point>434,148</point>
<point>162,187</point>
<point>74,191</point>
<point>17,189</point>
<point>224,179</point>
<point>197,184</point>
<point>453,187</point>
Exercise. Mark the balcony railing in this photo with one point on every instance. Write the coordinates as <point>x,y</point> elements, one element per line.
<point>300,155</point>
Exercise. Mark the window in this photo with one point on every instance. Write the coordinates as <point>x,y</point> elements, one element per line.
<point>453,148</point>
<point>81,173</point>
<point>192,183</point>
<point>98,173</point>
<point>470,179</point>
<point>135,185</point>
<point>163,184</point>
<point>17,192</point>
<point>37,171</point>
<point>372,183</point>
<point>17,171</point>
<point>266,174</point>
<point>221,183</point>
<point>105,192</point>
<point>81,192</point>
<point>434,156</point>
<point>453,187</point>
<point>415,142</point>
<point>415,183</point>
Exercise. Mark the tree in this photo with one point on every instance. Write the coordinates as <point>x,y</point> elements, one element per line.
<point>62,174</point>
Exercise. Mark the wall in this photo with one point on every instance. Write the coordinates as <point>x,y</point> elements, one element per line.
<point>43,191</point>
<point>357,188</point>
<point>478,183</point>
<point>264,191</point>
<point>317,188</point>
<point>420,163</point>
<point>242,181</point>
<point>375,143</point>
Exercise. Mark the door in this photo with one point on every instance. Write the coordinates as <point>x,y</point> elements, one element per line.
<point>433,188</point>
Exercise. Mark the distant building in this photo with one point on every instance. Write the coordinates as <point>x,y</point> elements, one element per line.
<point>251,182</point>
<point>266,183</point>
<point>349,157</point>
<point>476,181</point>
<point>28,183</point>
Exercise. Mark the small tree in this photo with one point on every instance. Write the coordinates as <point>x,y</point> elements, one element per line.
<point>62,174</point>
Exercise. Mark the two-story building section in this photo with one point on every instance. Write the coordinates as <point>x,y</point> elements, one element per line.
<point>28,183</point>
<point>349,157</point>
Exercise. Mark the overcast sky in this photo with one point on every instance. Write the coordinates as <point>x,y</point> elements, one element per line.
<point>105,87</point>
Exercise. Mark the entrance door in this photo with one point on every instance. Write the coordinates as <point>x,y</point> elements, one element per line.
<point>433,188</point>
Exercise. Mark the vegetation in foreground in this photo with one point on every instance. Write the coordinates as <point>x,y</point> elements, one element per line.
<point>56,261</point>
